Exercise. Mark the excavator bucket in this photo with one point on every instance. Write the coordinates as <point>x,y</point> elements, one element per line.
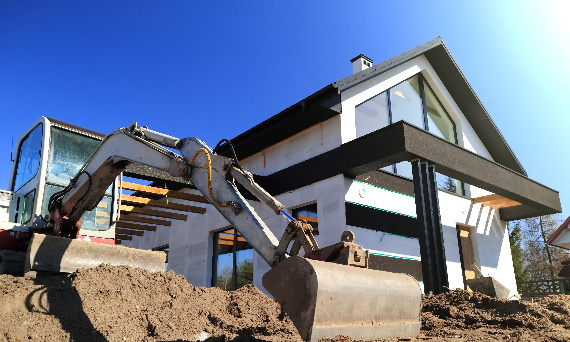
<point>325,299</point>
<point>57,254</point>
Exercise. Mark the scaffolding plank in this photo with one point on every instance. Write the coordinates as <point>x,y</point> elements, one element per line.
<point>162,204</point>
<point>129,231</point>
<point>165,192</point>
<point>152,212</point>
<point>141,219</point>
<point>130,225</point>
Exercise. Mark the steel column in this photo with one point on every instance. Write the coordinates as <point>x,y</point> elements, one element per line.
<point>429,226</point>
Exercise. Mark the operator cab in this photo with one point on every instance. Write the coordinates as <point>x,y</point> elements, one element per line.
<point>47,157</point>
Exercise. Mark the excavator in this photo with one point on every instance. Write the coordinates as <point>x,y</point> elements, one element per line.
<point>328,291</point>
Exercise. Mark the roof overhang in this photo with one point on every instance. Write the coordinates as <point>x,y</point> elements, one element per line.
<point>402,141</point>
<point>316,108</point>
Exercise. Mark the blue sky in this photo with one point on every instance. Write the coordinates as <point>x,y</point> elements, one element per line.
<point>213,70</point>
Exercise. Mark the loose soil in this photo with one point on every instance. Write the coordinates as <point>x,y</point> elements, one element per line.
<point>110,303</point>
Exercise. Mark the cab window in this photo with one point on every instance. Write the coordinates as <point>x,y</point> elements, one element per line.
<point>29,157</point>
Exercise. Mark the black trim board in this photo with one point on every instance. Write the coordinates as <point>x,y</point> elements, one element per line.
<point>380,220</point>
<point>388,181</point>
<point>402,141</point>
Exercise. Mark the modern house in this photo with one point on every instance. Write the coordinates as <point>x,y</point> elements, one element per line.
<point>402,153</point>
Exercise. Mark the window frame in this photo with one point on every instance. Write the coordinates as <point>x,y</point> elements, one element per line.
<point>13,185</point>
<point>422,81</point>
<point>234,252</point>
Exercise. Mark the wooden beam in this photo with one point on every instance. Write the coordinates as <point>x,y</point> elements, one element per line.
<point>308,218</point>
<point>505,205</point>
<point>162,204</point>
<point>165,192</point>
<point>130,225</point>
<point>491,197</point>
<point>134,218</point>
<point>230,238</point>
<point>225,242</point>
<point>123,237</point>
<point>495,201</point>
<point>129,232</point>
<point>117,241</point>
<point>151,212</point>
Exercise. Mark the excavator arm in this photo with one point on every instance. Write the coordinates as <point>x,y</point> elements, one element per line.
<point>320,292</point>
<point>211,174</point>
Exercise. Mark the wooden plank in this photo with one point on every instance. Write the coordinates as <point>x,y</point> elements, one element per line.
<point>230,232</point>
<point>491,197</point>
<point>117,241</point>
<point>129,225</point>
<point>231,238</point>
<point>123,237</point>
<point>495,201</point>
<point>129,231</point>
<point>165,192</point>
<point>162,204</point>
<point>225,242</point>
<point>505,205</point>
<point>151,212</point>
<point>133,218</point>
<point>101,221</point>
<point>308,218</point>
<point>102,213</point>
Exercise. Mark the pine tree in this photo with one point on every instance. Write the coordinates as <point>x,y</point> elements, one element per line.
<point>515,239</point>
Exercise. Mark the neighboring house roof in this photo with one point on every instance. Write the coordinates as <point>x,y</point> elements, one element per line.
<point>326,104</point>
<point>560,236</point>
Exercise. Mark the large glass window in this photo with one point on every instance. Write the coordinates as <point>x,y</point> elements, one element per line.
<point>233,260</point>
<point>68,153</point>
<point>29,157</point>
<point>439,122</point>
<point>372,115</point>
<point>405,101</point>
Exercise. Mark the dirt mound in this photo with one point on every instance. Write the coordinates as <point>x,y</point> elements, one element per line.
<point>477,317</point>
<point>126,304</point>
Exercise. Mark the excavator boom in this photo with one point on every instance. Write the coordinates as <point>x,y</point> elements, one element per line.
<point>329,292</point>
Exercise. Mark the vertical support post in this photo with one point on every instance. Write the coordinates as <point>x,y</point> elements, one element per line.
<point>423,227</point>
<point>432,250</point>
<point>438,231</point>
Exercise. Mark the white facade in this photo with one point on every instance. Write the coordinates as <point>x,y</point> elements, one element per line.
<point>191,242</point>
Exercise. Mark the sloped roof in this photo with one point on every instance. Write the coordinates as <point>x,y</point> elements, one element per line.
<point>560,236</point>
<point>325,104</point>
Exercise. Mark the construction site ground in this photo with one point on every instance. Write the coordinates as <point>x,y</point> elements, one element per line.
<point>109,303</point>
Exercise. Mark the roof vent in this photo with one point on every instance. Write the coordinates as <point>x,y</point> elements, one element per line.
<point>360,63</point>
